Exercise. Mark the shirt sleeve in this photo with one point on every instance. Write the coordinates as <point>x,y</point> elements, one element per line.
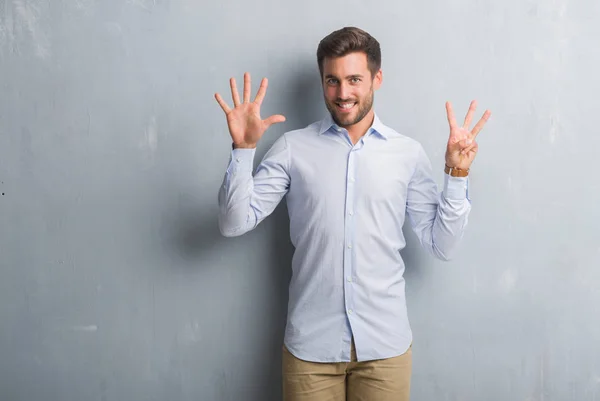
<point>438,219</point>
<point>246,199</point>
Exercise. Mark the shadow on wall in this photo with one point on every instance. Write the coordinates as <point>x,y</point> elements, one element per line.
<point>191,231</point>
<point>305,98</point>
<point>302,104</point>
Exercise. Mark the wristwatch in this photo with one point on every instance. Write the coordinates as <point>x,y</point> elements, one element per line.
<point>456,172</point>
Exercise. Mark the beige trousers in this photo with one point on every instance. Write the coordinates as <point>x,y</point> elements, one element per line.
<point>379,380</point>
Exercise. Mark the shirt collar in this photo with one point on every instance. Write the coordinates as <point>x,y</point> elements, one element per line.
<point>377,127</point>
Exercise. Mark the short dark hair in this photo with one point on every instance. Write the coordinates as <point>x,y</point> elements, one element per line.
<point>349,40</point>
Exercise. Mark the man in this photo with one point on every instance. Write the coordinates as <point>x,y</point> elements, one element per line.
<point>349,181</point>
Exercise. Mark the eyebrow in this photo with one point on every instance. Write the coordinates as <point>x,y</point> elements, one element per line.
<point>348,77</point>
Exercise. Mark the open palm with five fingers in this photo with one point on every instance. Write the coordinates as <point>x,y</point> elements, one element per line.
<point>246,127</point>
<point>462,147</point>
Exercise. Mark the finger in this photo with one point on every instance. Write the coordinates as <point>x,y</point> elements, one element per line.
<point>471,153</point>
<point>278,118</point>
<point>481,123</point>
<point>261,91</point>
<point>222,103</point>
<point>246,88</point>
<point>450,114</point>
<point>473,147</point>
<point>234,92</point>
<point>469,116</point>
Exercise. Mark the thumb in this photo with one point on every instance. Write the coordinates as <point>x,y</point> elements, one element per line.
<point>278,118</point>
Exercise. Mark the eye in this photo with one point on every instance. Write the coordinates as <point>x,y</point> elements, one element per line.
<point>332,81</point>
<point>355,80</point>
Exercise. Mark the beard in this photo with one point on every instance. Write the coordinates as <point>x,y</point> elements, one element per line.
<point>364,106</point>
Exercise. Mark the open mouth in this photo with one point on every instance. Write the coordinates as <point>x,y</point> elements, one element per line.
<point>346,106</point>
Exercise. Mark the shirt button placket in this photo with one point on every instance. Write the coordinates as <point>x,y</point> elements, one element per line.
<point>349,233</point>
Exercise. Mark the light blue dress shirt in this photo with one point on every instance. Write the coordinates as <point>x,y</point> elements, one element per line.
<point>347,204</point>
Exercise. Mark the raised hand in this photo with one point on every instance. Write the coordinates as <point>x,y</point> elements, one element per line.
<point>462,147</point>
<point>244,122</point>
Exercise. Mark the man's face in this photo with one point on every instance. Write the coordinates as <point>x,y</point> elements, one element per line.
<point>348,87</point>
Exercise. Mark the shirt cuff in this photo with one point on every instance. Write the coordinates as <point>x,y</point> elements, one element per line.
<point>242,160</point>
<point>455,188</point>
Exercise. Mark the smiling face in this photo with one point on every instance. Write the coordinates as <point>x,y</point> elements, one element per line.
<point>348,88</point>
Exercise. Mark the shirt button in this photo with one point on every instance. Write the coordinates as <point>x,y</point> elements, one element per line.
<point>349,246</point>
<point>350,213</point>
<point>349,279</point>
<point>237,160</point>
<point>350,311</point>
<point>351,179</point>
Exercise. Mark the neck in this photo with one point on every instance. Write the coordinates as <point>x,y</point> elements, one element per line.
<point>356,131</point>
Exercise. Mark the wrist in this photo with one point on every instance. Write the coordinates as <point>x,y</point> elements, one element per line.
<point>455,171</point>
<point>243,146</point>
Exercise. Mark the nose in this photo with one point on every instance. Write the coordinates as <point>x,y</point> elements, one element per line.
<point>343,91</point>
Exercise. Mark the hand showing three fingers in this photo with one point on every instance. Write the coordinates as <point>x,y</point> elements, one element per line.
<point>462,147</point>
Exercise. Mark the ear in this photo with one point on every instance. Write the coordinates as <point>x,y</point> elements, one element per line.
<point>378,79</point>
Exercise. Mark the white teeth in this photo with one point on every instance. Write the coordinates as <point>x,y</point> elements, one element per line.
<point>346,105</point>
